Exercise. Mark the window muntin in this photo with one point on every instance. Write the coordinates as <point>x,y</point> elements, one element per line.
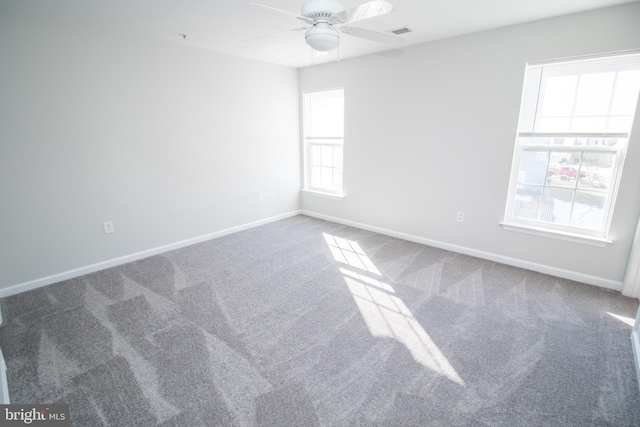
<point>574,125</point>
<point>323,127</point>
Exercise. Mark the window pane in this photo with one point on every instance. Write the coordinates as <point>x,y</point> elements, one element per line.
<point>533,166</point>
<point>558,97</point>
<point>527,202</point>
<point>327,178</point>
<point>554,124</point>
<point>588,210</point>
<point>597,171</point>
<point>337,157</point>
<point>337,179</point>
<point>594,94</point>
<point>327,155</point>
<point>565,158</point>
<point>589,125</point>
<point>626,93</point>
<point>316,155</point>
<point>620,124</point>
<point>563,169</point>
<point>316,177</point>
<point>324,113</point>
<point>558,202</point>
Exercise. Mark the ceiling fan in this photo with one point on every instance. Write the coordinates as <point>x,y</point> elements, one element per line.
<point>327,18</point>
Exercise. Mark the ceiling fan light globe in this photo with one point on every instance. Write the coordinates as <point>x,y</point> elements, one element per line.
<point>322,39</point>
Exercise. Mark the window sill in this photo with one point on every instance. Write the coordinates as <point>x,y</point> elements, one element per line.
<point>323,194</point>
<point>567,237</point>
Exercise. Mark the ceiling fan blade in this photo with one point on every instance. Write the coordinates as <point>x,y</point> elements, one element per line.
<point>376,36</point>
<point>302,18</point>
<point>366,10</point>
<point>275,34</point>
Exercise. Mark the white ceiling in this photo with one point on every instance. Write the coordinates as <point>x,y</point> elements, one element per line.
<point>225,26</point>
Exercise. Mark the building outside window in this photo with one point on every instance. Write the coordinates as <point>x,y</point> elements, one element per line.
<point>575,120</point>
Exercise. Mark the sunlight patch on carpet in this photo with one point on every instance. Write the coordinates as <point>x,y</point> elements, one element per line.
<point>385,314</point>
<point>627,320</point>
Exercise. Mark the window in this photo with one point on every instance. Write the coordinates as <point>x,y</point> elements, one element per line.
<point>574,125</point>
<point>323,129</point>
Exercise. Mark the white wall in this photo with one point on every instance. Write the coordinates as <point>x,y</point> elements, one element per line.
<point>168,142</point>
<point>430,129</point>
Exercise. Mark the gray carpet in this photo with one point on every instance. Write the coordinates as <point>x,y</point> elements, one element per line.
<point>304,322</point>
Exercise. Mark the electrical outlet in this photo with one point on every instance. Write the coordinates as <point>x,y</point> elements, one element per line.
<point>260,197</point>
<point>108,227</point>
<point>280,194</point>
<point>460,216</point>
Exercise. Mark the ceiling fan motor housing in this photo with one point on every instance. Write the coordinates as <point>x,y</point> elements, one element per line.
<point>322,37</point>
<point>321,9</point>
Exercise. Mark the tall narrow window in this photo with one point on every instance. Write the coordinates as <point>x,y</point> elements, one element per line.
<point>575,121</point>
<point>323,129</point>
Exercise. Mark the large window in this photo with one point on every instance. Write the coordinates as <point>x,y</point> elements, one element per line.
<point>323,129</point>
<point>574,125</point>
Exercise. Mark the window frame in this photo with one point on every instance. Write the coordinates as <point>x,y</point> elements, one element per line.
<point>309,141</point>
<point>539,227</point>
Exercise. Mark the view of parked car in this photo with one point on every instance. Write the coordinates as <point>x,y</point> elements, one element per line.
<point>565,171</point>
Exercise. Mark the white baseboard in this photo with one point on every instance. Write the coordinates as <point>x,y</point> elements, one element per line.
<point>635,344</point>
<point>4,385</point>
<point>540,268</point>
<point>34,284</point>
<point>567,274</point>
